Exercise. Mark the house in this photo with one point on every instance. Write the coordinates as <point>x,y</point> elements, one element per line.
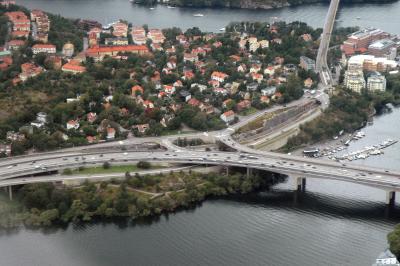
<point>72,124</point>
<point>29,70</point>
<point>194,102</point>
<point>242,68</point>
<point>91,139</point>
<point>308,83</point>
<point>252,86</point>
<point>219,76</point>
<point>73,67</point>
<point>232,88</point>
<point>245,104</point>
<point>142,128</point>
<point>306,37</point>
<point>91,117</point>
<point>148,104</point>
<point>268,91</point>
<point>15,44</point>
<point>264,99</point>
<point>207,108</point>
<point>270,70</point>
<point>136,90</point>
<point>276,96</point>
<point>387,258</point>
<point>227,103</point>
<point>43,48</point>
<point>220,91</point>
<point>199,86</point>
<point>5,149</point>
<point>116,41</point>
<point>15,136</point>
<point>169,89</point>
<point>255,68</point>
<point>189,57</point>
<point>110,133</point>
<point>185,95</point>
<point>257,77</point>
<point>228,116</point>
<point>41,120</point>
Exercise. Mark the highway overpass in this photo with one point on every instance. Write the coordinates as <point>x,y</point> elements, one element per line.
<point>297,167</point>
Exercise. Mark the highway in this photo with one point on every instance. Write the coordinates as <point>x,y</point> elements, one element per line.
<point>321,62</point>
<point>279,163</point>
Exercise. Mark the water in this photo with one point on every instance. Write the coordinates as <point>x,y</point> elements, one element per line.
<point>384,16</point>
<point>333,223</point>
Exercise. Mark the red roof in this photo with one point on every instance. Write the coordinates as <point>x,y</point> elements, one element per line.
<point>44,46</point>
<point>119,48</point>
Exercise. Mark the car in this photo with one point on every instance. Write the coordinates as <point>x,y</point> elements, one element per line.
<point>9,167</point>
<point>386,171</point>
<point>64,159</point>
<point>125,153</point>
<point>101,155</point>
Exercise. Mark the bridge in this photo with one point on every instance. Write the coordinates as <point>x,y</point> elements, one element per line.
<point>296,167</point>
<point>322,63</point>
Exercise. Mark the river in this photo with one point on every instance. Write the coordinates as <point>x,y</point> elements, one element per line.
<point>384,16</point>
<point>332,223</point>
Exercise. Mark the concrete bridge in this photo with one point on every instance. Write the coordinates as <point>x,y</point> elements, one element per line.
<point>322,62</point>
<point>296,167</point>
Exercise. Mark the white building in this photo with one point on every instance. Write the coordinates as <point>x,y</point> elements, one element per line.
<point>354,80</point>
<point>376,82</point>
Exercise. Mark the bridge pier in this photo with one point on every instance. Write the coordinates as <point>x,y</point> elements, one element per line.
<point>248,173</point>
<point>299,183</point>
<point>390,198</point>
<point>10,195</point>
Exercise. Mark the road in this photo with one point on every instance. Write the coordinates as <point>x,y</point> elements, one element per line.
<point>321,62</point>
<point>279,163</point>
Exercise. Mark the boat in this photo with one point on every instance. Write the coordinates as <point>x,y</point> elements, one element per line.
<point>170,7</point>
<point>358,18</point>
<point>222,29</point>
<point>198,15</point>
<point>151,8</point>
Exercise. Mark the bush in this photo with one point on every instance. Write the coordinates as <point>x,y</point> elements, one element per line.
<point>67,171</point>
<point>106,165</point>
<point>143,165</point>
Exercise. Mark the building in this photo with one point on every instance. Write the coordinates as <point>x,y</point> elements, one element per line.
<point>354,80</point>
<point>19,21</point>
<point>376,82</point>
<point>29,70</point>
<point>370,63</point>
<point>44,48</point>
<point>219,76</point>
<point>116,41</point>
<point>73,67</point>
<point>99,52</point>
<point>228,116</point>
<point>307,63</point>
<point>120,29</point>
<point>156,36</point>
<point>381,48</point>
<point>360,40</point>
<point>15,44</point>
<point>68,49</point>
<point>72,124</point>
<point>386,258</point>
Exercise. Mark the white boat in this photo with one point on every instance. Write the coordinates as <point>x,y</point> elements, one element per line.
<point>151,8</point>
<point>198,15</point>
<point>222,29</point>
<point>358,17</point>
<point>170,7</point>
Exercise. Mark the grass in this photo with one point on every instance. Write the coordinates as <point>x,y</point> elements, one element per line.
<point>102,170</point>
<point>248,111</point>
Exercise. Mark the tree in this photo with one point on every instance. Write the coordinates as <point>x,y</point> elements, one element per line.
<point>394,240</point>
<point>106,165</point>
